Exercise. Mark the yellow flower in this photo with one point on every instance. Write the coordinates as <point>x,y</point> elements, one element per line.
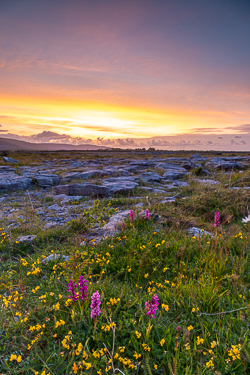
<point>138,334</point>
<point>156,367</point>
<point>190,328</point>
<point>19,359</point>
<point>199,340</point>
<point>210,363</point>
<point>146,275</point>
<point>213,344</point>
<point>165,307</point>
<point>12,357</point>
<point>162,342</point>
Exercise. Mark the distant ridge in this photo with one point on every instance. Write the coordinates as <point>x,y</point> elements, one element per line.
<point>9,144</point>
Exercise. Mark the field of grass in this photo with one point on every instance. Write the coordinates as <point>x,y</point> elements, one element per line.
<point>196,290</point>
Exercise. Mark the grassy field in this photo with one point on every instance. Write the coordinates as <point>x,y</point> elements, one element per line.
<point>171,303</point>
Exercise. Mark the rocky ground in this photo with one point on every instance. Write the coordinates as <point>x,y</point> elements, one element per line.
<point>55,192</point>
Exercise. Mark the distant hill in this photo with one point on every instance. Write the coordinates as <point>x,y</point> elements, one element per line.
<point>9,144</point>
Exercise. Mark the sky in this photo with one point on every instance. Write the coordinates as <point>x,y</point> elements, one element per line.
<point>115,71</point>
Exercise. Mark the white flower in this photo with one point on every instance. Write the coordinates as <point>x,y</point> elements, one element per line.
<point>246,220</point>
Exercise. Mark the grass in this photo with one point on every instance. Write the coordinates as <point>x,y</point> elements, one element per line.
<point>202,322</point>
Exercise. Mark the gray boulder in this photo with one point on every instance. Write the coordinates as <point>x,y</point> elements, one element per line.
<point>120,187</point>
<point>207,182</point>
<point>9,160</point>
<point>121,179</point>
<point>15,183</point>
<point>47,180</point>
<point>167,166</point>
<point>173,174</point>
<point>26,239</point>
<point>83,175</point>
<point>81,189</point>
<point>150,177</point>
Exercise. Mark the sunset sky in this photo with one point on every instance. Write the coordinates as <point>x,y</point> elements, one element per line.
<point>74,70</point>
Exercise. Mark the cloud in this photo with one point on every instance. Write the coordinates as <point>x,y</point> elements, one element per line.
<point>244,128</point>
<point>205,130</point>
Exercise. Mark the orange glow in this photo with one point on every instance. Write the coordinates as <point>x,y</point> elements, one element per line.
<point>90,119</point>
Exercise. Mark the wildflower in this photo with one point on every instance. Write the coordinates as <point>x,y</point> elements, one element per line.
<point>147,214</point>
<point>190,328</point>
<point>95,305</point>
<point>83,288</point>
<point>246,219</point>
<point>72,289</point>
<point>152,306</point>
<point>146,347</point>
<point>13,356</point>
<point>210,363</point>
<point>213,344</point>
<point>138,334</point>
<point>216,219</point>
<point>131,216</point>
<point>165,307</point>
<point>199,340</point>
<point>162,342</point>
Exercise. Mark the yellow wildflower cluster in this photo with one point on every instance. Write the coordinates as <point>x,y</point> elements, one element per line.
<point>68,302</point>
<point>146,347</point>
<point>35,289</point>
<point>35,340</point>
<point>59,323</point>
<point>34,269</point>
<point>108,327</point>
<point>127,362</point>
<point>79,349</point>
<point>213,344</point>
<point>199,340</point>
<point>210,363</point>
<point>24,262</point>
<point>98,353</point>
<point>137,356</point>
<point>36,328</point>
<point>234,352</point>
<point>66,339</point>
<point>14,357</point>
<point>165,307</point>
<point>114,301</point>
<point>138,334</point>
<point>56,306</point>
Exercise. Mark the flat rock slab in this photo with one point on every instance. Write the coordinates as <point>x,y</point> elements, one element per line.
<point>168,166</point>
<point>15,183</point>
<point>27,239</point>
<point>121,179</point>
<point>6,169</point>
<point>120,187</point>
<point>83,175</point>
<point>45,180</point>
<point>173,174</point>
<point>81,189</point>
<point>207,182</point>
<point>111,228</point>
<point>197,232</point>
<point>9,160</point>
<point>52,257</point>
<point>150,176</point>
